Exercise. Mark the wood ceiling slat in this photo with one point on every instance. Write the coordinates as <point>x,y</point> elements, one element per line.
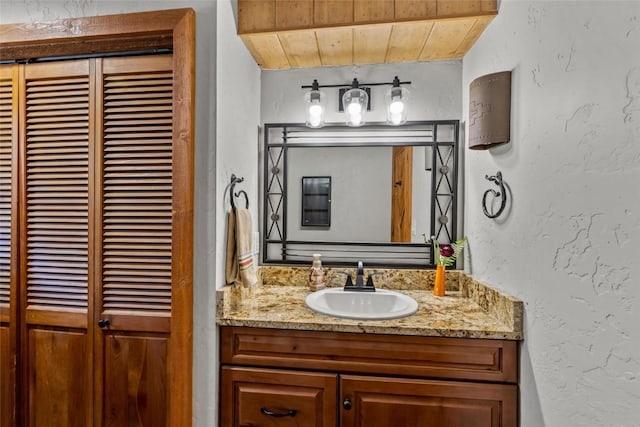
<point>335,46</point>
<point>407,40</point>
<point>267,50</point>
<point>137,195</point>
<point>368,42</point>
<point>446,38</point>
<point>301,48</point>
<point>57,156</point>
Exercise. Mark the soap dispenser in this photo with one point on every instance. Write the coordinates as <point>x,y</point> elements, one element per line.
<point>317,276</point>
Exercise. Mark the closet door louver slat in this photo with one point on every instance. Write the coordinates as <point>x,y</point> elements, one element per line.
<point>137,193</point>
<point>6,139</point>
<point>57,193</point>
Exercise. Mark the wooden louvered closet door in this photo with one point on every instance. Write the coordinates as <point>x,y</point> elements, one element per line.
<point>96,248</point>
<point>8,242</point>
<point>135,243</point>
<point>96,222</point>
<point>56,226</point>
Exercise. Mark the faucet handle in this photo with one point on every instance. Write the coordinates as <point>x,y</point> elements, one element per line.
<point>349,281</point>
<point>370,279</point>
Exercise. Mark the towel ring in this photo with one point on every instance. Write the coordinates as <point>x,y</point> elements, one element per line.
<point>235,180</point>
<point>496,179</point>
<point>246,198</point>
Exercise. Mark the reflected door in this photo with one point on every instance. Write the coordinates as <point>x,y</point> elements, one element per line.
<point>401,194</point>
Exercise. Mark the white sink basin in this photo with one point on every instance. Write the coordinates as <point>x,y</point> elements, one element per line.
<point>378,305</point>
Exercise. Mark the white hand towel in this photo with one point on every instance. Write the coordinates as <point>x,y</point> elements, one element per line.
<point>240,268</point>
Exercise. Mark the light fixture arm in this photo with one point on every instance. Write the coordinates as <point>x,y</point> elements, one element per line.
<point>396,82</point>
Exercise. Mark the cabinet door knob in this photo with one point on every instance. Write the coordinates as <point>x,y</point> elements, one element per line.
<point>347,404</point>
<point>103,323</point>
<point>285,413</point>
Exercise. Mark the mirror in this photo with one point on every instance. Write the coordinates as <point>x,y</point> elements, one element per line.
<point>389,186</point>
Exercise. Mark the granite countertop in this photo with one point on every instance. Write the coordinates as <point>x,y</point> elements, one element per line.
<point>470,309</point>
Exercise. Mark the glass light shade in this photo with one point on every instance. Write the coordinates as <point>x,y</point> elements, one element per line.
<point>355,102</point>
<point>397,105</point>
<point>314,107</point>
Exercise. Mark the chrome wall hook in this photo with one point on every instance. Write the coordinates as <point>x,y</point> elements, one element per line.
<point>496,179</point>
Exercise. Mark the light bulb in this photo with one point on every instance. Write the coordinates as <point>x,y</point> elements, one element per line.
<point>315,115</point>
<point>396,107</point>
<point>315,110</point>
<point>354,108</point>
<point>396,118</point>
<point>356,119</point>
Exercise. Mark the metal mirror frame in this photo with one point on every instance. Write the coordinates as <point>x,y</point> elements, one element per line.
<point>444,197</point>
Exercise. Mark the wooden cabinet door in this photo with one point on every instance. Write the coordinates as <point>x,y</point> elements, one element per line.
<point>56,231</point>
<point>8,242</point>
<point>134,195</point>
<point>388,402</point>
<point>271,397</point>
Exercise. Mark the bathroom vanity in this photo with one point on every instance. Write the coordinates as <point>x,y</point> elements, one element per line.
<point>453,363</point>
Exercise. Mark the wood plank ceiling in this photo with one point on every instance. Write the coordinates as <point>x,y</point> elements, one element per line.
<point>283,34</point>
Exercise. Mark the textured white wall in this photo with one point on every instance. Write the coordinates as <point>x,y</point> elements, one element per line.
<point>237,120</point>
<point>568,248</point>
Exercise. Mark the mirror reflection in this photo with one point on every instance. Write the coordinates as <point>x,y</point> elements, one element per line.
<point>389,186</point>
<point>378,194</point>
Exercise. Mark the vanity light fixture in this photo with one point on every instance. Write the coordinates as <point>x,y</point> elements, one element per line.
<point>314,103</point>
<point>355,101</point>
<point>397,98</point>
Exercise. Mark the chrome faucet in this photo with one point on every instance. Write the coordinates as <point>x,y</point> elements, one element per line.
<point>360,284</point>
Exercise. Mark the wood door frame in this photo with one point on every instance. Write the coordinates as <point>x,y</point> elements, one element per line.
<point>143,31</point>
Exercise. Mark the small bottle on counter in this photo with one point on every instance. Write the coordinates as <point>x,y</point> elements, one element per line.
<point>317,276</point>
